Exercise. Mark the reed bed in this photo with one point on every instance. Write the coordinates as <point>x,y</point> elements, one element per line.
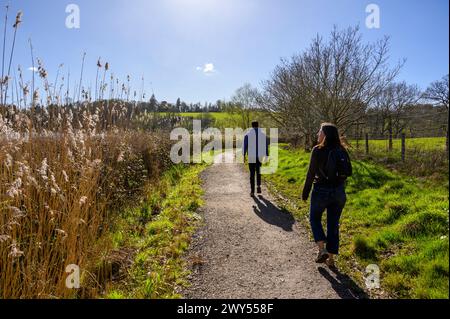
<point>59,192</point>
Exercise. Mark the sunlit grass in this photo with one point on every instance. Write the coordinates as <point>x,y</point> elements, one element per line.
<point>393,220</point>
<point>422,143</point>
<point>168,219</point>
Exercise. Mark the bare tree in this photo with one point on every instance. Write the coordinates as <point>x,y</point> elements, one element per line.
<point>288,103</point>
<point>334,81</point>
<point>392,103</point>
<point>243,102</point>
<point>438,92</point>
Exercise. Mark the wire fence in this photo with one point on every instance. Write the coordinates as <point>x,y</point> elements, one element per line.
<point>401,147</point>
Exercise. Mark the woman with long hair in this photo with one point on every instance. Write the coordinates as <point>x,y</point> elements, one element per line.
<point>329,167</point>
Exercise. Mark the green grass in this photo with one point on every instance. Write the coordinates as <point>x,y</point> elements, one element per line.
<point>424,157</point>
<point>411,144</point>
<point>223,120</point>
<point>159,230</point>
<point>395,221</point>
<point>220,119</point>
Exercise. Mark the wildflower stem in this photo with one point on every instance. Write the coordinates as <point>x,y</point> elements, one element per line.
<point>81,75</point>
<point>3,54</point>
<point>32,78</point>
<point>10,62</point>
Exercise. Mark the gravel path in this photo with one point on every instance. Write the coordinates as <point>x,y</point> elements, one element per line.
<point>249,248</point>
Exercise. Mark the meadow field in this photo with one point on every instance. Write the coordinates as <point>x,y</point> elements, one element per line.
<point>223,120</point>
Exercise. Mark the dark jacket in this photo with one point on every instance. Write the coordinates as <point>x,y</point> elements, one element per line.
<point>319,157</point>
<point>256,145</point>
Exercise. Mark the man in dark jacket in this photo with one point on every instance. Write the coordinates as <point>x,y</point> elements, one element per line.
<point>256,145</point>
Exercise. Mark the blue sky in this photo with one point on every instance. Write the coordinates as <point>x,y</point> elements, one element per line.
<point>173,42</point>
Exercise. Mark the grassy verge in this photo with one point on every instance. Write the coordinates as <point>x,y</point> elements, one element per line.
<point>395,221</point>
<point>155,235</point>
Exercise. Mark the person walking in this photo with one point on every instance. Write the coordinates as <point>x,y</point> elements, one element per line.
<point>256,145</point>
<point>329,168</point>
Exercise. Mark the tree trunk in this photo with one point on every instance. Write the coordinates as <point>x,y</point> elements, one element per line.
<point>307,142</point>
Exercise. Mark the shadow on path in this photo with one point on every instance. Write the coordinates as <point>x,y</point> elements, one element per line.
<point>344,286</point>
<point>271,214</point>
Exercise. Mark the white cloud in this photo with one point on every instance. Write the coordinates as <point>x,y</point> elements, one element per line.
<point>207,68</point>
<point>33,69</point>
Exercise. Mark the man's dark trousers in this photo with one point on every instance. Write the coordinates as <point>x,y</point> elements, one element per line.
<point>255,169</point>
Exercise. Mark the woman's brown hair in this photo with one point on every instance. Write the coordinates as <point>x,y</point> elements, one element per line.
<point>332,138</point>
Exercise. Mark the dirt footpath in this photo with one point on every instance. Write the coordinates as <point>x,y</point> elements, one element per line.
<point>249,248</point>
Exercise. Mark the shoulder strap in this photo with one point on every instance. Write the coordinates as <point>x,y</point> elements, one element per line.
<point>326,163</point>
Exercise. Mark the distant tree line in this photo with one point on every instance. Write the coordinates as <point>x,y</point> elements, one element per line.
<point>153,105</point>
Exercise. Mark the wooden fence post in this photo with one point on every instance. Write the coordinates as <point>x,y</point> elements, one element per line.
<point>403,146</point>
<point>391,146</point>
<point>367,143</point>
<point>446,134</point>
<point>357,136</point>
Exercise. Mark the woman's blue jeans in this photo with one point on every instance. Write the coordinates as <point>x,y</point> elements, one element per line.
<point>333,200</point>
